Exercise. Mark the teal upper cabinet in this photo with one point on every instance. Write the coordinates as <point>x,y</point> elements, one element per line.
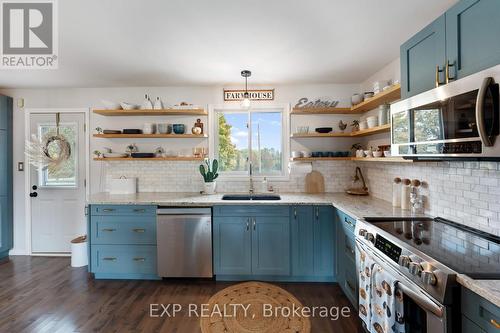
<point>461,42</point>
<point>270,246</point>
<point>423,58</point>
<point>313,241</point>
<point>472,30</point>
<point>232,245</point>
<point>6,176</point>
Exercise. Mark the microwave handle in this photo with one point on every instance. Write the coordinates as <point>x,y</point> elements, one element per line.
<point>423,301</point>
<point>485,138</point>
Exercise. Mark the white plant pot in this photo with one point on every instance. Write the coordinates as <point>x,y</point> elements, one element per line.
<point>210,187</point>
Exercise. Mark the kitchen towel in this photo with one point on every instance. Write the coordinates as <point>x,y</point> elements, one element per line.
<point>387,311</point>
<point>364,264</point>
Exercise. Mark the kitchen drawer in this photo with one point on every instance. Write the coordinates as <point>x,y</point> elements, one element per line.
<point>124,259</point>
<point>348,223</point>
<point>122,230</point>
<point>139,210</point>
<point>480,311</point>
<point>251,210</point>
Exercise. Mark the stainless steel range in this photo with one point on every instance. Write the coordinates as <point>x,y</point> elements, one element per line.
<point>425,255</point>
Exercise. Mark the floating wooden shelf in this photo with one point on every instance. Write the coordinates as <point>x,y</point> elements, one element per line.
<point>387,96</point>
<point>150,136</point>
<point>363,159</point>
<point>390,95</point>
<point>183,158</point>
<point>368,131</point>
<point>163,112</point>
<point>321,111</point>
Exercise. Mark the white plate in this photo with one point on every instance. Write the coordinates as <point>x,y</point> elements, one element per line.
<point>111,155</point>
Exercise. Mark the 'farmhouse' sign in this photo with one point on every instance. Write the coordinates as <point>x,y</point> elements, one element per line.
<point>254,95</point>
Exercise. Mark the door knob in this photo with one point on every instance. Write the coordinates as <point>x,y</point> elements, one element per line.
<point>33,194</point>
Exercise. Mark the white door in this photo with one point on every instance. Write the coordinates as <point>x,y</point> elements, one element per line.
<point>58,194</point>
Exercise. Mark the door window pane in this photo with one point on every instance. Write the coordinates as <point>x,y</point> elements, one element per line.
<point>267,143</point>
<point>66,174</point>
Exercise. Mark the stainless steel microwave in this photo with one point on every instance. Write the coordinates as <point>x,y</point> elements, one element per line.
<point>457,120</point>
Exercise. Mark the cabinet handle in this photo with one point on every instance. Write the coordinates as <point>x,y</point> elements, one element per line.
<point>140,259</point>
<point>139,210</point>
<point>139,230</point>
<point>109,258</point>
<point>448,65</point>
<point>295,212</point>
<point>317,213</point>
<point>86,210</point>
<point>107,210</point>
<point>348,248</point>
<point>350,286</point>
<point>248,224</point>
<point>438,83</point>
<point>346,220</point>
<point>254,223</point>
<point>109,230</point>
<point>494,323</point>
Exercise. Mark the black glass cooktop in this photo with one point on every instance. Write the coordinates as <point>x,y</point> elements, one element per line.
<point>463,249</point>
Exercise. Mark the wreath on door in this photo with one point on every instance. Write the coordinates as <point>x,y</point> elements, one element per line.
<point>48,150</point>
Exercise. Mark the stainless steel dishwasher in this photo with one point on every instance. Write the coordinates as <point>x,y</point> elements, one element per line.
<point>184,241</point>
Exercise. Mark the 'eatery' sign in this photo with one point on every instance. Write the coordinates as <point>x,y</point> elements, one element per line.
<point>254,95</point>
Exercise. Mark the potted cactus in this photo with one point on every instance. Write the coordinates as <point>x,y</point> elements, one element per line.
<point>209,174</point>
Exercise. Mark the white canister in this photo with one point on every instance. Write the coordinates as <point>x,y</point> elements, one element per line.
<point>79,257</point>
<point>383,114</point>
<point>396,192</point>
<point>148,128</point>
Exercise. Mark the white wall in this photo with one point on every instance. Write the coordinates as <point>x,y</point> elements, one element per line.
<point>91,97</point>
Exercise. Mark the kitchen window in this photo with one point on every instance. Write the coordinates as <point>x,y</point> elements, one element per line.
<point>257,135</point>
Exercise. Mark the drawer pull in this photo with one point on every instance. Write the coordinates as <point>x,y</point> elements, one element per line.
<point>109,258</point>
<point>139,210</point>
<point>139,230</point>
<point>348,248</point>
<point>109,230</point>
<point>348,222</point>
<point>108,210</point>
<point>494,323</point>
<point>140,259</point>
<point>350,286</point>
<point>295,212</point>
<point>317,213</point>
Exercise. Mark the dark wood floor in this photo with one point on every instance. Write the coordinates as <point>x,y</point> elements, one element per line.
<point>41,294</point>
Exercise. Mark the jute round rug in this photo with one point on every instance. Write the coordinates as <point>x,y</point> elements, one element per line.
<point>252,307</point>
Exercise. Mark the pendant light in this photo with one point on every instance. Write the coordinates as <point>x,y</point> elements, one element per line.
<point>245,103</point>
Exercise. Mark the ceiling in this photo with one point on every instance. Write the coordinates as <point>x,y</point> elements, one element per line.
<point>113,43</point>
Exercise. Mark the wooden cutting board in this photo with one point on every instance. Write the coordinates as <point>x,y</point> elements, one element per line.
<point>315,183</point>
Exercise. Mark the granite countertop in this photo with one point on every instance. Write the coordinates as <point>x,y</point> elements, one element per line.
<point>356,206</point>
<point>487,289</point>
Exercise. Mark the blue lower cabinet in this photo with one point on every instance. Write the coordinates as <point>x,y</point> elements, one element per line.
<point>124,261</point>
<point>122,242</point>
<point>346,256</point>
<point>5,227</point>
<point>479,313</point>
<point>232,245</point>
<point>271,246</point>
<point>313,243</point>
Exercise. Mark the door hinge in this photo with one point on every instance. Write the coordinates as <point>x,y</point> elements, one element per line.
<point>84,182</point>
<point>84,127</point>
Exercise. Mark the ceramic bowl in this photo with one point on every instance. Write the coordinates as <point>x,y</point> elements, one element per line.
<point>164,128</point>
<point>128,106</point>
<point>315,154</point>
<point>363,125</point>
<point>368,153</point>
<point>179,128</point>
<point>324,129</point>
<point>368,94</point>
<point>302,129</point>
<point>297,154</point>
<point>387,153</point>
<point>356,99</point>
<point>108,105</point>
<point>372,121</point>
<point>378,153</point>
<point>306,153</point>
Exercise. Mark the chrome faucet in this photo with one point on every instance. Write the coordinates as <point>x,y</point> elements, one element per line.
<point>251,189</point>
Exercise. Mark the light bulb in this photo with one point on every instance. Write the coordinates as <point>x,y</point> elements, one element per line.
<point>246,104</point>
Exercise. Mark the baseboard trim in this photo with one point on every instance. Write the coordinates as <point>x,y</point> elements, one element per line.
<point>50,254</point>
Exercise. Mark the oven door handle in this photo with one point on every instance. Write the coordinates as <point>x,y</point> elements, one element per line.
<point>485,138</point>
<point>423,301</point>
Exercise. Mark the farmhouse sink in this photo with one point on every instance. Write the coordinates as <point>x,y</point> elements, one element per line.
<point>251,197</point>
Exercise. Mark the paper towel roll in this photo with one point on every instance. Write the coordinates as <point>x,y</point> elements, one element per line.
<point>299,167</point>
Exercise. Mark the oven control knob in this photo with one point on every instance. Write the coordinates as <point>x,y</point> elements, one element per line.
<point>362,232</point>
<point>404,261</point>
<point>369,237</point>
<point>415,268</point>
<point>429,278</point>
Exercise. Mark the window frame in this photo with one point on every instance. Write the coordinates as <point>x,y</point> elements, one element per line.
<point>285,139</point>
